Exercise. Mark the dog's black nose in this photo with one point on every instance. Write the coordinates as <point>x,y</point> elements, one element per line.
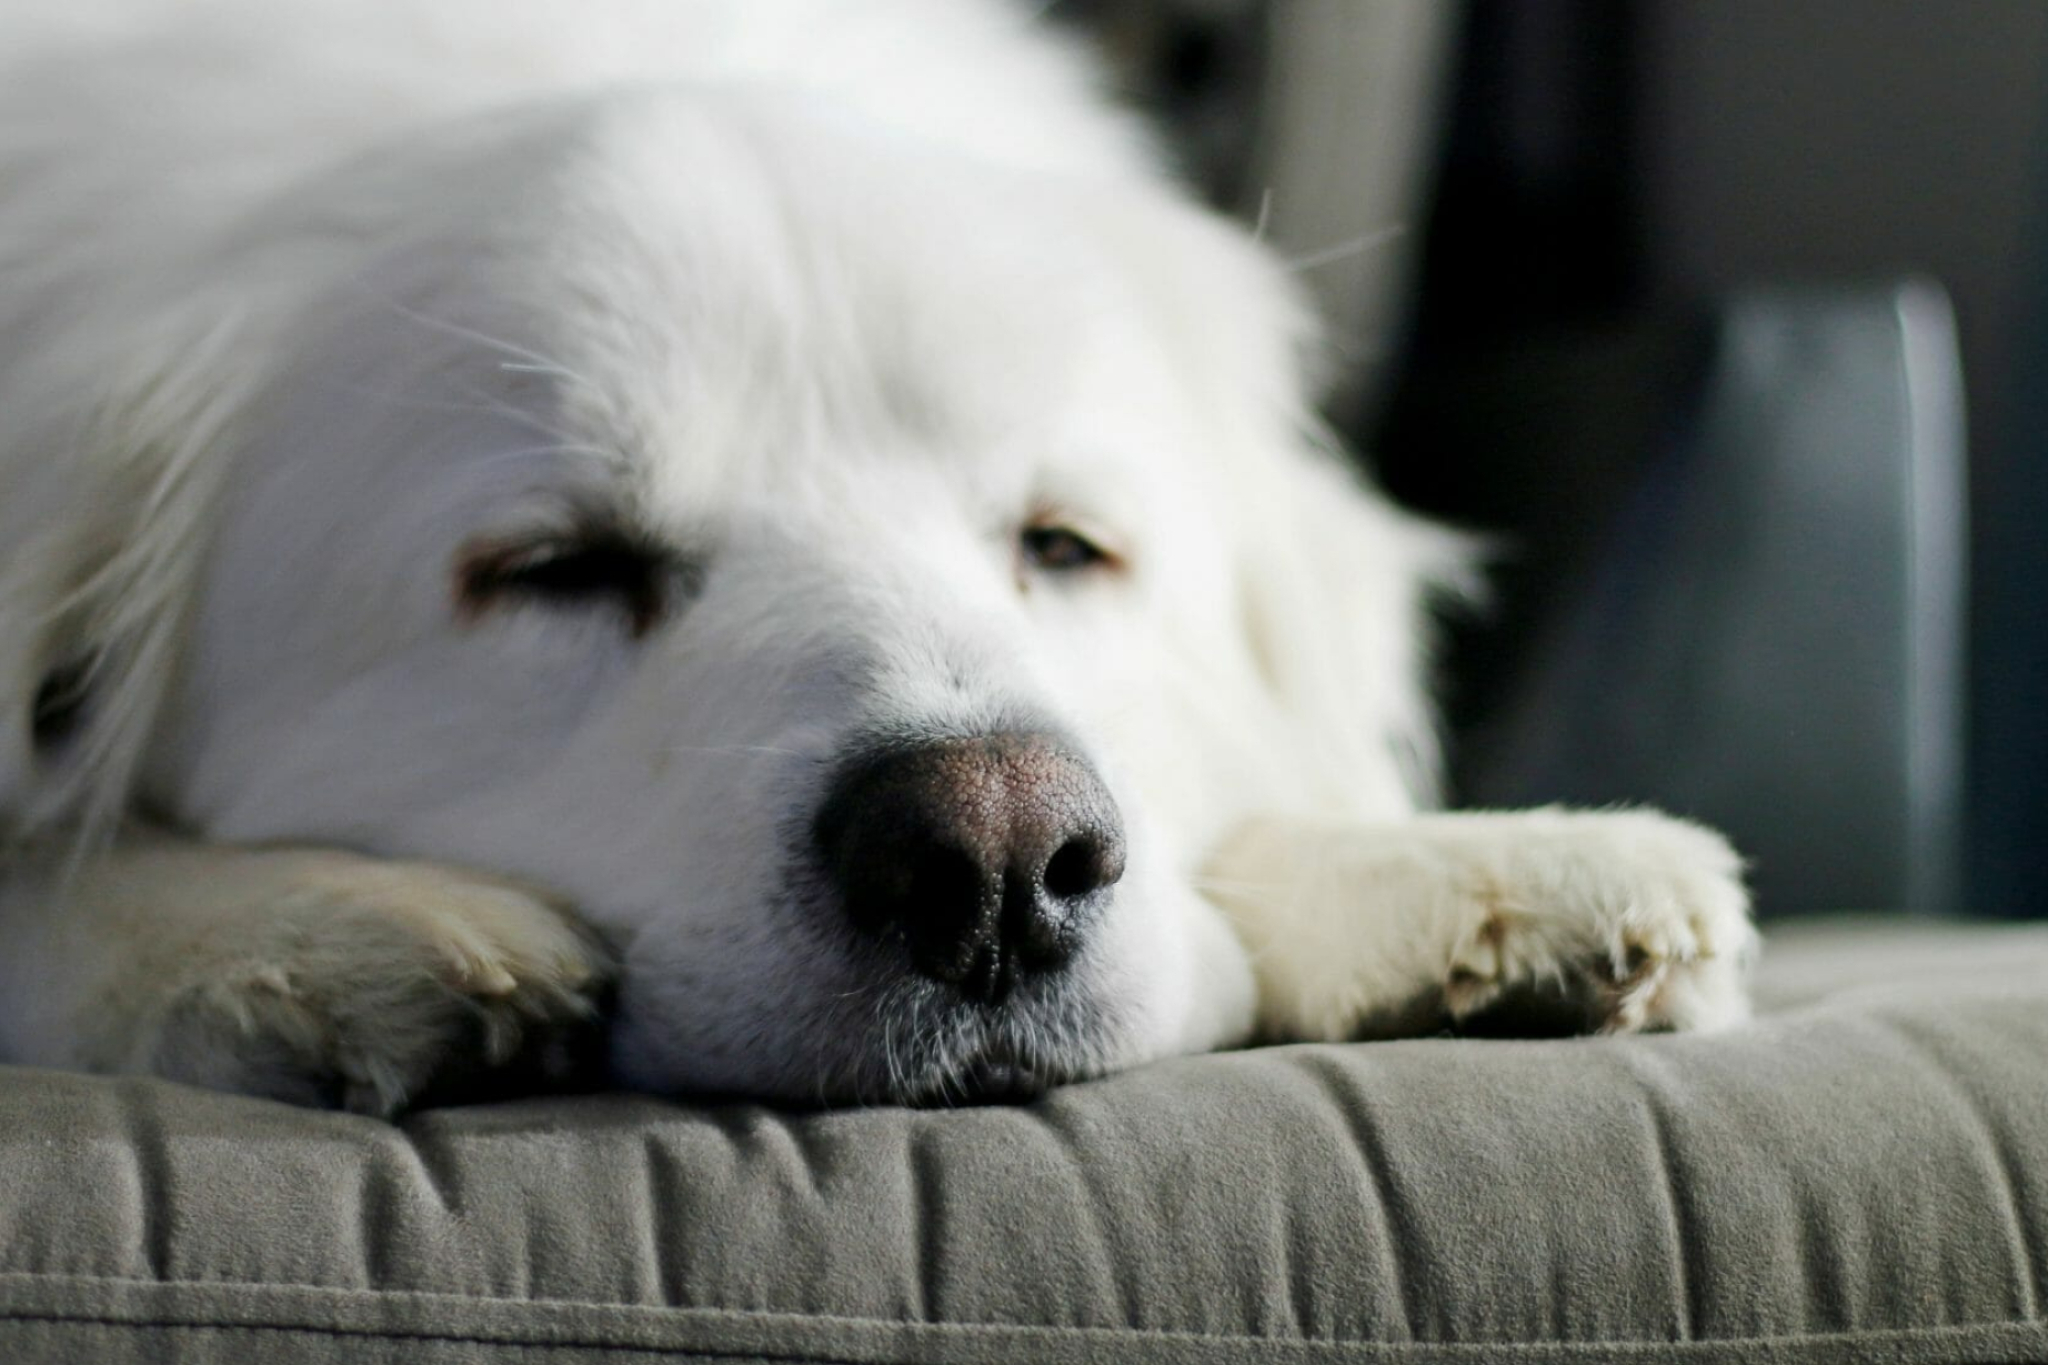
<point>987,856</point>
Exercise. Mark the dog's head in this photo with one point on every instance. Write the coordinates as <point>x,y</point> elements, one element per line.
<point>863,577</point>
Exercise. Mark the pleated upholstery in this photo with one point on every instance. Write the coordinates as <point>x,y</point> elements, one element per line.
<point>1862,1174</point>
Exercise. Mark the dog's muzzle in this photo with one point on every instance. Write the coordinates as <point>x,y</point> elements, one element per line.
<point>987,857</point>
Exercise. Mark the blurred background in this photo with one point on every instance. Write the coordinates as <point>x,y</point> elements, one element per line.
<point>1728,319</point>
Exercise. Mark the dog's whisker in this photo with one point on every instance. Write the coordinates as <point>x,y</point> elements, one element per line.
<point>517,352</point>
<point>1346,249</point>
<point>1228,887</point>
<point>571,442</point>
<point>541,451</point>
<point>736,749</point>
<point>493,404</point>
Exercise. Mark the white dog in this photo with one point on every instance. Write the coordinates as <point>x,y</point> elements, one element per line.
<point>790,481</point>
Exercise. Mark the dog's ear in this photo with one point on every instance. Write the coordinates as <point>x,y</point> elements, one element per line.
<point>43,562</point>
<point>20,659</point>
<point>100,551</point>
<point>1341,595</point>
<point>54,748</point>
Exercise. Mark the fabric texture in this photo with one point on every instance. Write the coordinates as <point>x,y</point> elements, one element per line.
<point>1861,1175</point>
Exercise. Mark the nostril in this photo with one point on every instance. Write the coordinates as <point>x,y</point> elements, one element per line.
<point>925,890</point>
<point>941,910</point>
<point>1080,867</point>
<point>942,884</point>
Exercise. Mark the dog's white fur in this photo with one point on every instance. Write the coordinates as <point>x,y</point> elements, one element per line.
<point>301,302</point>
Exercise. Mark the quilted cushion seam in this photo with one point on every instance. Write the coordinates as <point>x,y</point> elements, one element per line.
<point>395,1334</point>
<point>996,1330</point>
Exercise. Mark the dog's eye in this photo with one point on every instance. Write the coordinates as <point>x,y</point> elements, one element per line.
<point>1057,549</point>
<point>605,570</point>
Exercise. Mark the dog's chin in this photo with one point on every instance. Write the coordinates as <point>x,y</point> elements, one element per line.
<point>934,1051</point>
<point>993,1077</point>
<point>908,1042</point>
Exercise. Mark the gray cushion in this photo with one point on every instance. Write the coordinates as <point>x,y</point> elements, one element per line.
<point>1861,1175</point>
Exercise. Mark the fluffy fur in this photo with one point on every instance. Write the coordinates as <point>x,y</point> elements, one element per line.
<point>304,307</point>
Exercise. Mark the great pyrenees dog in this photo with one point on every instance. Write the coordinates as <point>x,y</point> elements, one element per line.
<point>774,520</point>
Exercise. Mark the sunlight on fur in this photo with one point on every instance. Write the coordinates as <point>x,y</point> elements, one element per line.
<point>501,473</point>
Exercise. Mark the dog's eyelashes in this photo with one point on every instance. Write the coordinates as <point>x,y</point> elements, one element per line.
<point>600,570</point>
<point>1057,549</point>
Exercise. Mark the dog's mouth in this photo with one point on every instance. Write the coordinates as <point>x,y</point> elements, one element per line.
<point>936,1052</point>
<point>989,1080</point>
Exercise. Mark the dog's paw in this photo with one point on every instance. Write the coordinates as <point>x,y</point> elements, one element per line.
<point>369,985</point>
<point>1518,922</point>
<point>1616,922</point>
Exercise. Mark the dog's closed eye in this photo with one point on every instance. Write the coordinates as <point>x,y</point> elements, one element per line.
<point>596,569</point>
<point>1050,546</point>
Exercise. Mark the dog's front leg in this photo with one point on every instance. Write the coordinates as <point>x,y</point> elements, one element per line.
<point>1610,920</point>
<point>308,975</point>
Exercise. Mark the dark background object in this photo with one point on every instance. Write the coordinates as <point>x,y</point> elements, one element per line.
<point>1532,385</point>
<point>1641,159</point>
<point>2008,832</point>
